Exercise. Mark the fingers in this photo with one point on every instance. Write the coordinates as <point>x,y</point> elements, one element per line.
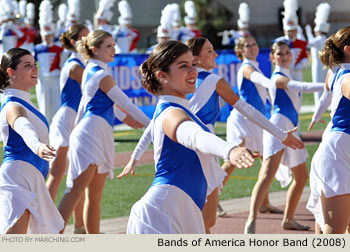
<point>126,171</point>
<point>312,124</point>
<point>241,157</point>
<point>47,152</point>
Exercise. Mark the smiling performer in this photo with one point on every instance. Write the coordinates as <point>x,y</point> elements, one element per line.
<point>26,205</point>
<point>182,143</point>
<point>91,144</point>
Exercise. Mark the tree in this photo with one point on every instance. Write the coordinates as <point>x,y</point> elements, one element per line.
<point>212,17</point>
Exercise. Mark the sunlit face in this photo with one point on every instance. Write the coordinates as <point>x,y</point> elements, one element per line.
<point>182,76</point>
<point>26,73</point>
<point>48,39</point>
<point>282,56</point>
<point>207,56</point>
<point>83,33</point>
<point>291,34</point>
<point>250,49</point>
<point>105,52</point>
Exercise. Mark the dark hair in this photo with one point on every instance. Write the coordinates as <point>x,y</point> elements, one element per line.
<point>10,59</point>
<point>196,44</point>
<point>333,49</point>
<point>160,59</point>
<point>276,45</point>
<point>240,45</point>
<point>72,33</point>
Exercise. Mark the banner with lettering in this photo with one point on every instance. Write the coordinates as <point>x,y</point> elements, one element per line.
<point>125,68</point>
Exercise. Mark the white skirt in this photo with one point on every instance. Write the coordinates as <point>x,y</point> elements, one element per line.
<point>239,129</point>
<point>214,175</point>
<point>290,158</point>
<point>23,187</point>
<point>330,171</point>
<point>91,142</point>
<point>165,209</point>
<point>62,126</point>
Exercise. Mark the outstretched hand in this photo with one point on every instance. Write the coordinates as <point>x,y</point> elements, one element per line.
<point>312,124</point>
<point>293,142</point>
<point>130,167</point>
<point>46,152</point>
<point>241,157</point>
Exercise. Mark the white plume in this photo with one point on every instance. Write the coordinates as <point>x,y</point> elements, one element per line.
<point>62,12</point>
<point>190,9</point>
<point>322,13</point>
<point>243,12</point>
<point>45,13</point>
<point>30,13</point>
<point>166,18</point>
<point>106,4</point>
<point>74,9</point>
<point>22,7</point>
<point>176,14</point>
<point>290,8</point>
<point>124,9</point>
<point>15,6</point>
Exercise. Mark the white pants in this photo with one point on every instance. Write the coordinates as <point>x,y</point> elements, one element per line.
<point>48,96</point>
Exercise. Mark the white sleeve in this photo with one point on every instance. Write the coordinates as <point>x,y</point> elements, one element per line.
<point>192,136</point>
<point>322,105</point>
<point>120,98</point>
<point>305,87</point>
<point>26,130</point>
<point>120,115</point>
<point>142,145</point>
<point>259,119</point>
<point>261,79</point>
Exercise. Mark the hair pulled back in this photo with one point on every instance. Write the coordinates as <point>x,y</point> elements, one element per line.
<point>196,44</point>
<point>93,39</point>
<point>160,59</point>
<point>10,59</point>
<point>333,53</point>
<point>72,33</point>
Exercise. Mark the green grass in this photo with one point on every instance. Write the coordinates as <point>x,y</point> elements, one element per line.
<point>120,194</point>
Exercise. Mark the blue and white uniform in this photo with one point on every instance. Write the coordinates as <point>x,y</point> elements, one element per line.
<point>92,140</point>
<point>239,129</point>
<point>285,115</point>
<point>23,173</point>
<point>330,171</point>
<point>174,202</point>
<point>63,121</point>
<point>205,104</point>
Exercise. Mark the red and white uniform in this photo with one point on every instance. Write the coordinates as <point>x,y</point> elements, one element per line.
<point>48,88</point>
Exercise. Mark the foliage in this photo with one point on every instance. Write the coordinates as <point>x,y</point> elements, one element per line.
<point>213,16</point>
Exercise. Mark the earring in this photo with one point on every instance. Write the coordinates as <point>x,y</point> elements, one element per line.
<point>165,81</point>
<point>14,77</point>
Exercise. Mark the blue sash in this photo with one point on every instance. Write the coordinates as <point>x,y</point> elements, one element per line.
<point>100,105</point>
<point>180,166</point>
<point>211,109</point>
<point>341,119</point>
<point>284,105</point>
<point>249,93</point>
<point>16,149</point>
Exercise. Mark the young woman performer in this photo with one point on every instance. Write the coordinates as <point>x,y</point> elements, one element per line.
<point>286,102</point>
<point>174,202</point>
<point>91,148</point>
<point>330,171</point>
<point>205,104</point>
<point>26,204</point>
